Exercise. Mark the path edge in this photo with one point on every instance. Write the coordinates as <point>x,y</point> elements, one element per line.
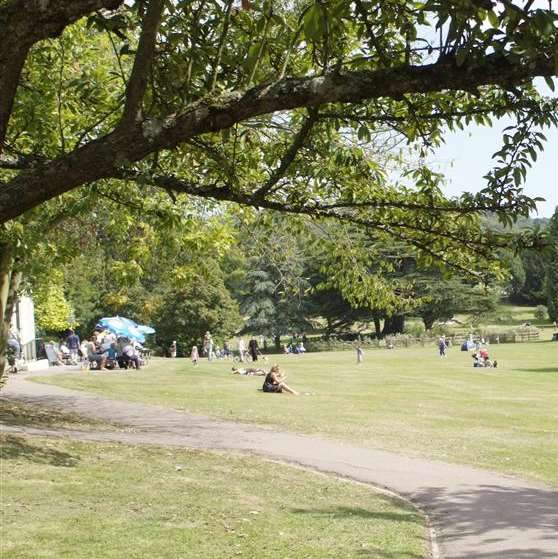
<point>112,436</point>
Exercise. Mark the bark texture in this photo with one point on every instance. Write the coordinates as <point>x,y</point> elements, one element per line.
<point>6,259</point>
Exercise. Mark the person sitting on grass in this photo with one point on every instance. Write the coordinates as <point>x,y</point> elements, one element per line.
<point>112,355</point>
<point>275,382</point>
<point>250,371</point>
<point>128,357</point>
<point>94,357</point>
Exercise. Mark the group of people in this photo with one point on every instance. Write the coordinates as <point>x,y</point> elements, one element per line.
<point>482,359</point>
<point>253,351</point>
<point>103,350</point>
<point>294,349</point>
<point>479,354</point>
<point>212,351</point>
<point>106,350</point>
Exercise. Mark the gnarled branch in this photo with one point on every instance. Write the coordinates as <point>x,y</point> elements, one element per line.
<point>99,159</point>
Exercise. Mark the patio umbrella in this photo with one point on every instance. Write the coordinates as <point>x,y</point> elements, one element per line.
<point>139,327</point>
<point>122,326</point>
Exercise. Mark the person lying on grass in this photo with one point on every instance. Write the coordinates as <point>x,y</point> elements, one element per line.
<point>275,382</point>
<point>250,371</point>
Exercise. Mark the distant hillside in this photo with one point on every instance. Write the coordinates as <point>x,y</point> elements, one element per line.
<point>491,222</point>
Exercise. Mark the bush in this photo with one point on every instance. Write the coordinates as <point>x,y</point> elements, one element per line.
<point>541,312</point>
<point>504,318</point>
<point>415,329</point>
<point>442,330</point>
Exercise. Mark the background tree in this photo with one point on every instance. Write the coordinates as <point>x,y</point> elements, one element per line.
<point>53,313</point>
<point>274,290</point>
<point>442,298</point>
<point>200,302</point>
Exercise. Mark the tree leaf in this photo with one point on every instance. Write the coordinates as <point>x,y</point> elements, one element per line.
<point>313,23</point>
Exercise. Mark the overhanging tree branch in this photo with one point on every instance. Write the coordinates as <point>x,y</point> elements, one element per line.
<point>289,155</point>
<point>143,63</point>
<point>383,223</point>
<point>99,159</point>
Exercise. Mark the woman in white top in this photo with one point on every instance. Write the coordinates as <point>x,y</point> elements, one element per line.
<point>241,348</point>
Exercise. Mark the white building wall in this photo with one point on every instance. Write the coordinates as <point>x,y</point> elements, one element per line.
<point>23,324</point>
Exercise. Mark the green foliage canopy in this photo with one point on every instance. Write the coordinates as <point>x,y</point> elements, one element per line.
<point>277,105</point>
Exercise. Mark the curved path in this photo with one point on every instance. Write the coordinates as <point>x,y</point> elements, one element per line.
<point>475,514</point>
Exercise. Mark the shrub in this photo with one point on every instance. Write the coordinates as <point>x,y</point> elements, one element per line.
<point>415,329</point>
<point>504,318</point>
<point>442,329</point>
<point>541,312</point>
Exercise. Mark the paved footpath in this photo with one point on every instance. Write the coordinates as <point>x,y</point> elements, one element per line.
<point>475,514</point>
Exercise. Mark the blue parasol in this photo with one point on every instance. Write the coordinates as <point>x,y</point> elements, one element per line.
<point>125,327</point>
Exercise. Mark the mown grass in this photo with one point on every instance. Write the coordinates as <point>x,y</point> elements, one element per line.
<point>511,317</point>
<point>405,400</point>
<point>64,499</point>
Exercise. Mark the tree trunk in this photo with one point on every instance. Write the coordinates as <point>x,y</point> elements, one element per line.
<point>394,325</point>
<point>329,328</point>
<point>377,327</point>
<point>428,322</point>
<point>552,290</point>
<point>13,296</point>
<point>6,260</point>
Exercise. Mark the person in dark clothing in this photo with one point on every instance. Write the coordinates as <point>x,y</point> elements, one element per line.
<point>275,382</point>
<point>73,342</point>
<point>253,349</point>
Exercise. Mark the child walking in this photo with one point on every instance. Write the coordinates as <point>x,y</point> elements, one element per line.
<point>195,355</point>
<point>360,355</point>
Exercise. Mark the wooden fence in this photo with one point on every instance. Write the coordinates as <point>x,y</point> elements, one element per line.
<point>510,336</point>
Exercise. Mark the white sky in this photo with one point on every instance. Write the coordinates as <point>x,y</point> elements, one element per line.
<point>467,156</point>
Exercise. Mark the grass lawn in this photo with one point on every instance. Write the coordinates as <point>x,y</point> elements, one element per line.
<point>515,316</point>
<point>65,499</point>
<point>406,400</point>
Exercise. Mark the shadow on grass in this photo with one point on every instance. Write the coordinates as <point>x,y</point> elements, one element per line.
<point>342,512</point>
<point>539,370</point>
<point>14,448</point>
